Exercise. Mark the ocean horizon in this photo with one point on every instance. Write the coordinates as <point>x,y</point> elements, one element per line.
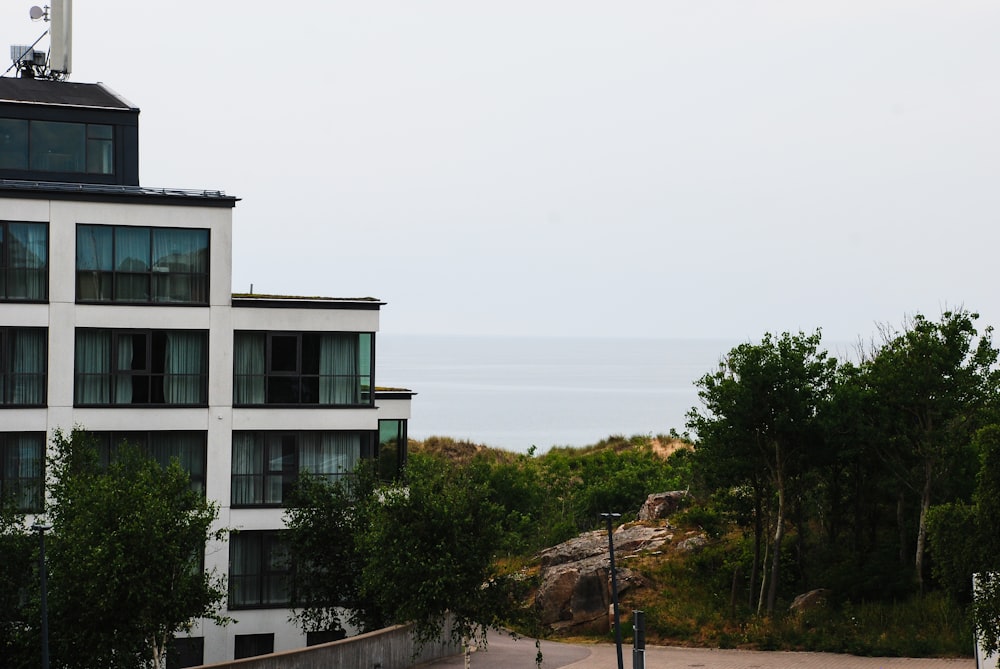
<point>518,392</point>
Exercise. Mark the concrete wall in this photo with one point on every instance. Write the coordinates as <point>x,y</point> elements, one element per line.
<point>390,648</point>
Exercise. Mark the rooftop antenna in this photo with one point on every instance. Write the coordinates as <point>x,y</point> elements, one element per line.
<point>58,63</point>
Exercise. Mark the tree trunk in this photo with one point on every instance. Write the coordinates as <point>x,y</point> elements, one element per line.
<point>925,505</point>
<point>901,526</point>
<point>779,529</point>
<point>758,535</point>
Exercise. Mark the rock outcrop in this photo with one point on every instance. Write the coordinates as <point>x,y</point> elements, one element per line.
<point>575,589</point>
<point>661,505</point>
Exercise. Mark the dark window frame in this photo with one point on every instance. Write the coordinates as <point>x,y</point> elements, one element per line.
<point>291,468</point>
<point>7,269</point>
<point>390,466</point>
<point>267,579</point>
<point>19,483</point>
<point>115,277</point>
<point>299,384</point>
<point>108,442</point>
<point>139,375</point>
<point>97,140</point>
<point>8,373</point>
<point>252,645</point>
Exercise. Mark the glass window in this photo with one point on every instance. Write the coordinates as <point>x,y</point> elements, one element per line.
<point>141,265</point>
<point>391,448</point>
<point>287,368</point>
<point>189,448</point>
<point>144,367</point>
<point>22,463</point>
<point>185,651</point>
<point>23,361</point>
<point>260,570</point>
<point>252,645</point>
<point>57,146</point>
<point>100,152</point>
<point>266,465</point>
<point>13,144</point>
<point>24,261</point>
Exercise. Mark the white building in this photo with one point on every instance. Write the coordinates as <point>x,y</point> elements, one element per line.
<point>117,314</point>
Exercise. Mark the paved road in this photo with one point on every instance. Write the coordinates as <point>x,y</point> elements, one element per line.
<point>506,653</point>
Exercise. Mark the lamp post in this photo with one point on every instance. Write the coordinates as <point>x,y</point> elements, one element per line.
<point>42,528</point>
<point>614,586</point>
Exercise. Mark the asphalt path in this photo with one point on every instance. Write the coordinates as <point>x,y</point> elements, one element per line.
<point>504,652</point>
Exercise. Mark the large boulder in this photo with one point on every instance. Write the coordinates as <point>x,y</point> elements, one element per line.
<point>661,504</point>
<point>575,589</point>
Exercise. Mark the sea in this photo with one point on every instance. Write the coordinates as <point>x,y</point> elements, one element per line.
<point>518,392</point>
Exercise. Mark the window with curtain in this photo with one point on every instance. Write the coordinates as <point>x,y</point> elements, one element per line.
<point>289,368</point>
<point>23,363</point>
<point>267,464</point>
<point>188,447</point>
<point>141,265</point>
<point>141,367</point>
<point>24,261</point>
<point>260,570</point>
<point>22,469</point>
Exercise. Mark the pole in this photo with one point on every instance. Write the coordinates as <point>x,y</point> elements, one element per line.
<point>614,587</point>
<point>41,529</point>
<point>638,639</point>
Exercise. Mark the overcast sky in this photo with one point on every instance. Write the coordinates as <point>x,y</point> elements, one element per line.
<point>654,169</point>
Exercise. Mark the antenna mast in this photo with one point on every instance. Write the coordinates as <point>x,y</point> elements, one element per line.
<point>58,63</point>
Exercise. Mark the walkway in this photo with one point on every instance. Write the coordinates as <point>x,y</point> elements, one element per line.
<point>506,653</point>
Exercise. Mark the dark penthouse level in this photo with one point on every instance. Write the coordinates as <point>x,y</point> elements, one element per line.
<point>59,131</point>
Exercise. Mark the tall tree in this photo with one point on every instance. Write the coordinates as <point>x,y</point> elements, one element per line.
<point>762,403</point>
<point>19,637</point>
<point>419,552</point>
<point>932,384</point>
<point>126,556</point>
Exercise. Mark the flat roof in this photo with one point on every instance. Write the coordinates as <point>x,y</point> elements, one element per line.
<point>58,190</point>
<point>252,300</point>
<point>63,93</point>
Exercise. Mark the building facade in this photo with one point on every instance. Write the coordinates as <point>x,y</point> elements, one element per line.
<point>117,315</point>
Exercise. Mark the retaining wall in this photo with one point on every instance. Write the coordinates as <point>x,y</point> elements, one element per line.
<point>389,648</point>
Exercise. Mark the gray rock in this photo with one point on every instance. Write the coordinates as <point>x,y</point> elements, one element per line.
<point>661,504</point>
<point>575,589</point>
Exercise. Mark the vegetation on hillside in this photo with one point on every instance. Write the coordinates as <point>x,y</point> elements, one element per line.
<point>806,472</point>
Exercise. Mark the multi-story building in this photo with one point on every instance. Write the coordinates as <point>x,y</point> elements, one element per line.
<point>117,315</point>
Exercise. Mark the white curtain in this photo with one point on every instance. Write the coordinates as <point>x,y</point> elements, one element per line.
<point>28,244</point>
<point>338,369</point>
<point>183,368</point>
<point>132,264</point>
<point>93,367</point>
<point>123,382</point>
<point>29,362</point>
<point>247,478</point>
<point>329,454</point>
<point>248,354</point>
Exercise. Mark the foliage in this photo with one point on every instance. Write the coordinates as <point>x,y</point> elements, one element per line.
<point>420,553</point>
<point>965,542</point>
<point>19,638</point>
<point>125,568</point>
<point>761,424</point>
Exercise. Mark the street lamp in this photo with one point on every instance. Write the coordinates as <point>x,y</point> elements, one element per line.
<point>42,528</point>
<point>614,586</point>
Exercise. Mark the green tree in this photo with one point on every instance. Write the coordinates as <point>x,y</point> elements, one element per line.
<point>19,637</point>
<point>931,384</point>
<point>125,565</point>
<point>761,411</point>
<point>324,522</point>
<point>418,552</point>
<point>965,542</point>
